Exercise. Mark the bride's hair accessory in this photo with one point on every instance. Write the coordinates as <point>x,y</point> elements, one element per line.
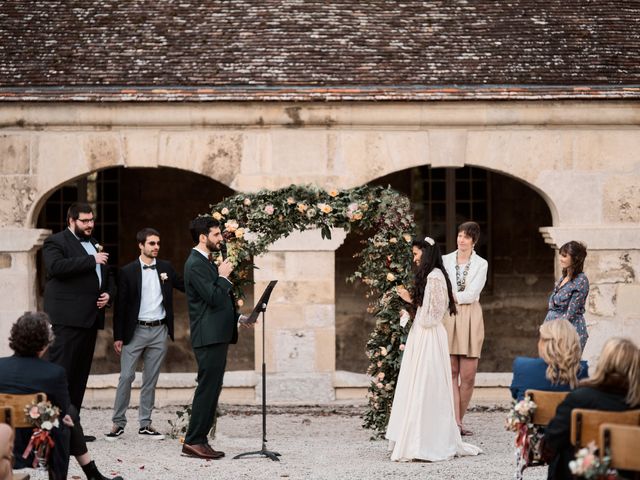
<point>430,241</point>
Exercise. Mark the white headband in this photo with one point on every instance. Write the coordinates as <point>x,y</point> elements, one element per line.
<point>430,241</point>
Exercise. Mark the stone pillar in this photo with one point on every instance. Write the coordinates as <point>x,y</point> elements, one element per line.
<point>300,320</point>
<point>17,277</point>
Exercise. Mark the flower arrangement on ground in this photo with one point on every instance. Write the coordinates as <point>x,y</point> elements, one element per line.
<point>44,417</point>
<point>528,436</point>
<point>588,465</point>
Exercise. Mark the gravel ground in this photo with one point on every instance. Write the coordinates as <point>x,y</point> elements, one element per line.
<point>315,443</point>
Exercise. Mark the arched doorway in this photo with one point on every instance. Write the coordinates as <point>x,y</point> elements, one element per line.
<point>126,200</point>
<point>520,264</point>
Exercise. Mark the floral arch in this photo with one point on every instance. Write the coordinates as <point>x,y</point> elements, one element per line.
<point>252,222</point>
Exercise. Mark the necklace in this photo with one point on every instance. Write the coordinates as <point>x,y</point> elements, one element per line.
<point>461,280</point>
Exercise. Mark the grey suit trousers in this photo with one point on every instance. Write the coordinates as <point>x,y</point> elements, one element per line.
<point>150,344</point>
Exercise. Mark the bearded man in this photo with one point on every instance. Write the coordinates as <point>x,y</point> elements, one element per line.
<point>79,288</point>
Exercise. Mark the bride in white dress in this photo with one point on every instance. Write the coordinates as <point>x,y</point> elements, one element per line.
<point>422,425</point>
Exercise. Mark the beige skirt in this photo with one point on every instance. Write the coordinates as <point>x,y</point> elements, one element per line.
<point>465,330</point>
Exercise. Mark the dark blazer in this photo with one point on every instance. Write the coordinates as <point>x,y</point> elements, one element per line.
<point>212,310</point>
<point>531,373</point>
<point>557,438</point>
<point>129,291</point>
<point>72,288</point>
<point>31,375</point>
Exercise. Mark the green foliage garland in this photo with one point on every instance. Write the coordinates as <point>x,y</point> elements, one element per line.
<point>252,222</point>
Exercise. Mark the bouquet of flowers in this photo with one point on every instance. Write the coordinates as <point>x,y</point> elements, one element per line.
<point>44,418</point>
<point>588,465</point>
<point>528,435</point>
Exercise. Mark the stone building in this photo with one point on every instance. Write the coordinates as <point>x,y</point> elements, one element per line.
<point>521,116</point>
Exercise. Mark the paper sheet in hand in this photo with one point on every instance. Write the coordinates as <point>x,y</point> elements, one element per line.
<point>261,305</point>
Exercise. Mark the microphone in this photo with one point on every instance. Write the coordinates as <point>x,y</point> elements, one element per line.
<point>223,251</point>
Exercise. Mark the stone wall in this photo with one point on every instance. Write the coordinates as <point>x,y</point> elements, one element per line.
<point>583,158</point>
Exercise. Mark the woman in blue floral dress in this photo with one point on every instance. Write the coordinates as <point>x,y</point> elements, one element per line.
<point>570,292</point>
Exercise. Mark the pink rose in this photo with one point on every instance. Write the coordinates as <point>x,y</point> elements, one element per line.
<point>34,412</point>
<point>269,209</point>
<point>402,346</point>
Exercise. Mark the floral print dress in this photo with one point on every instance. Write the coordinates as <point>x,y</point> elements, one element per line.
<point>567,301</point>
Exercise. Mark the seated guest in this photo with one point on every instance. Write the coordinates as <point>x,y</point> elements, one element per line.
<point>615,386</point>
<point>27,372</point>
<point>558,367</point>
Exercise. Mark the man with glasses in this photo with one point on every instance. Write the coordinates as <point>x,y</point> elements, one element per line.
<point>143,320</point>
<point>79,288</point>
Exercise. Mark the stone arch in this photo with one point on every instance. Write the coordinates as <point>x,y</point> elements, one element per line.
<point>517,295</point>
<point>146,198</point>
<point>512,169</point>
<point>62,158</point>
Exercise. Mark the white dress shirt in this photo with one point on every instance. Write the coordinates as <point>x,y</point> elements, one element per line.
<point>151,307</point>
<point>475,281</point>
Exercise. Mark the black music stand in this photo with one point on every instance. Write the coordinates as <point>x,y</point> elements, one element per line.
<point>261,306</point>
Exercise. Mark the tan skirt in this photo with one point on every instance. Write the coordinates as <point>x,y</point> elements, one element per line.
<point>465,330</point>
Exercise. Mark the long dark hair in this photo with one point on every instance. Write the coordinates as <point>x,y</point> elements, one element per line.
<point>578,252</point>
<point>431,258</point>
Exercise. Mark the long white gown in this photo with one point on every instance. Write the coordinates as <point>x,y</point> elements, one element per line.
<point>422,424</point>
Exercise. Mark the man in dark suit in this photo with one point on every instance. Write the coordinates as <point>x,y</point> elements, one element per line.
<point>214,325</point>
<point>79,287</point>
<point>143,320</point>
<point>28,372</point>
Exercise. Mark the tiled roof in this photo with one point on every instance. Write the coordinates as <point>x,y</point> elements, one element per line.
<point>110,47</point>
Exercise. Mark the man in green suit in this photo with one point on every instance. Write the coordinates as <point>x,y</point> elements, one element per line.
<point>214,325</point>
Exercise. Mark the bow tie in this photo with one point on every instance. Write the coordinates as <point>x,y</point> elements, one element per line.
<point>210,257</point>
<point>152,267</point>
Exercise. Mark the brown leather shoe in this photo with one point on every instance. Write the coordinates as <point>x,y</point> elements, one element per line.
<point>216,453</point>
<point>199,451</point>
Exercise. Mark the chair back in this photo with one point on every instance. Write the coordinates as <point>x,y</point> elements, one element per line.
<point>585,424</point>
<point>546,404</point>
<point>6,415</point>
<point>18,402</point>
<point>621,442</point>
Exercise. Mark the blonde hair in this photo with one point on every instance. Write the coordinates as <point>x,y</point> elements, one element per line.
<point>561,351</point>
<point>619,359</point>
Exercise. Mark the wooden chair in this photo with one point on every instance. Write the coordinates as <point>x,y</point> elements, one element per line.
<point>585,424</point>
<point>18,402</point>
<point>621,442</point>
<point>547,403</point>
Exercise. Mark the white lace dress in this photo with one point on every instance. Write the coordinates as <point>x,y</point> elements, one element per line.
<point>422,423</point>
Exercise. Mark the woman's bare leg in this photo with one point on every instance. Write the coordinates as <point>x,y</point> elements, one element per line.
<point>455,382</point>
<point>468,369</point>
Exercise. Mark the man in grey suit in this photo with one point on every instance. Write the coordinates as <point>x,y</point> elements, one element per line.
<point>214,325</point>
<point>143,321</point>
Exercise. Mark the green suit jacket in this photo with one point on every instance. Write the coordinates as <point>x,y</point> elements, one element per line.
<point>212,311</point>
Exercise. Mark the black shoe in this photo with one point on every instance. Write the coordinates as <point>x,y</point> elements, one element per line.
<point>89,438</point>
<point>92,473</point>
<point>115,432</point>
<point>150,432</point>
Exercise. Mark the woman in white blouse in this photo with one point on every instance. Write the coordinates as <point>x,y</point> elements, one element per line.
<point>465,329</point>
